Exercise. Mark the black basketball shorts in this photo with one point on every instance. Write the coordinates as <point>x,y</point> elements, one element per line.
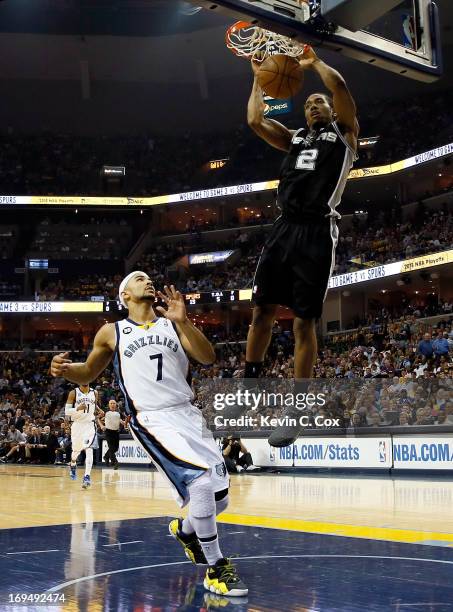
<point>295,266</point>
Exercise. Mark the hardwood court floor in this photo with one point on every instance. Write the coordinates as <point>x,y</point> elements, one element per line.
<point>94,545</point>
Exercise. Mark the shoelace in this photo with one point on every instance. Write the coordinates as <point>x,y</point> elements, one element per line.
<point>229,571</point>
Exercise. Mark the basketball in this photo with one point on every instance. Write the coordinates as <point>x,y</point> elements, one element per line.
<point>281,76</point>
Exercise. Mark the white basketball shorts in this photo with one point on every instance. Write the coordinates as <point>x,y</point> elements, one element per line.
<point>181,447</point>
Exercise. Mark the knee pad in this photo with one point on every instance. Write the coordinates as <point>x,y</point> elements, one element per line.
<point>221,505</point>
<point>202,500</point>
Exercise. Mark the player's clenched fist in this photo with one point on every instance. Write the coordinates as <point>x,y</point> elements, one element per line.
<point>59,364</point>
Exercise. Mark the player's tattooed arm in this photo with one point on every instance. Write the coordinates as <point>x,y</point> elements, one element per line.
<point>343,102</point>
<point>273,132</point>
<point>96,362</point>
<point>193,341</point>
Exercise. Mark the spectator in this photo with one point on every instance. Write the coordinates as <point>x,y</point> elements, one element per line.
<point>16,441</point>
<point>235,454</point>
<point>19,420</point>
<point>425,347</point>
<point>440,346</point>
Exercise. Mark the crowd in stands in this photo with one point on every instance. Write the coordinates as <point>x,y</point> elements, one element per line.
<point>32,424</point>
<point>395,372</point>
<point>374,243</point>
<point>85,287</point>
<point>367,243</point>
<point>59,164</point>
<point>411,359</point>
<point>98,239</point>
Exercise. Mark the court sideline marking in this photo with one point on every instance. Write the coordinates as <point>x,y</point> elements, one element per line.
<point>411,536</point>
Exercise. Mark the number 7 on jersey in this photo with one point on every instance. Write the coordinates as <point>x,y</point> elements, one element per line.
<point>160,359</point>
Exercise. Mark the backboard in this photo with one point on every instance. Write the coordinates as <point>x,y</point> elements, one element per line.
<point>402,36</point>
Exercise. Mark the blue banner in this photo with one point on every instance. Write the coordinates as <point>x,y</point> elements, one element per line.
<point>277,107</point>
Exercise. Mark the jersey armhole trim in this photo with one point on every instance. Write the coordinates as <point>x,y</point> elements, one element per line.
<point>176,331</point>
<point>355,157</point>
<point>117,337</point>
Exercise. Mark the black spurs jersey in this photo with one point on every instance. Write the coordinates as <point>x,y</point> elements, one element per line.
<point>313,174</point>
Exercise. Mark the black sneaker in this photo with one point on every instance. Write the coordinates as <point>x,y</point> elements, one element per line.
<point>222,578</point>
<point>191,545</point>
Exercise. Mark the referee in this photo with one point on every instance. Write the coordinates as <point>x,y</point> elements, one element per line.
<point>112,434</point>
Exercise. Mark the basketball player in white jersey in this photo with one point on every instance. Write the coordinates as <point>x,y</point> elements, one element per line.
<point>150,358</point>
<point>82,408</point>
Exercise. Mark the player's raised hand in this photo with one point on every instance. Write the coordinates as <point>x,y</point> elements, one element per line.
<point>176,308</point>
<point>60,364</point>
<point>307,58</point>
<point>256,61</point>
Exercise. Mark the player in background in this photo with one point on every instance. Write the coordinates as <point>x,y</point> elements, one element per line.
<point>82,407</point>
<point>150,359</point>
<point>298,257</point>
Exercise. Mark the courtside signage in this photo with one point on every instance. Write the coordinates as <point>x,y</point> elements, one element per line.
<point>324,452</point>
<point>434,453</point>
<point>129,451</point>
<point>219,192</point>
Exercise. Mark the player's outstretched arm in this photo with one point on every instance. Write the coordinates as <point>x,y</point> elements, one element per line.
<point>97,360</point>
<point>193,341</point>
<point>343,102</point>
<point>273,132</point>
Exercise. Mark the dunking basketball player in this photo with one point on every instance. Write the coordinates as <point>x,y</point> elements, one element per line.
<point>82,407</point>
<point>299,255</point>
<point>153,369</point>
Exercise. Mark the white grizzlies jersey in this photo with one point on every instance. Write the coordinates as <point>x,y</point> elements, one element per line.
<point>89,400</point>
<point>151,365</point>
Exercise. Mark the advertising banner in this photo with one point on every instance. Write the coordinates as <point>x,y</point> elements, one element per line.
<point>324,452</point>
<point>129,452</point>
<point>424,452</point>
<point>218,192</point>
<point>50,307</point>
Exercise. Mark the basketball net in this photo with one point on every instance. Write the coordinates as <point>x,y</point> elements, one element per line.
<point>247,40</point>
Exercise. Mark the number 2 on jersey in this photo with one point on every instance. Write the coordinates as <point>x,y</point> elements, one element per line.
<point>306,160</point>
<point>159,358</point>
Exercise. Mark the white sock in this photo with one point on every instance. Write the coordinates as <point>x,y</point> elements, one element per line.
<point>187,528</point>
<point>211,549</point>
<point>88,461</point>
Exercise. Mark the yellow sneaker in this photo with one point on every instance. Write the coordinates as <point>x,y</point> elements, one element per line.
<point>222,578</point>
<point>190,543</point>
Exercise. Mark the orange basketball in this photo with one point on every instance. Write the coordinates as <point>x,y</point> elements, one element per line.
<point>280,76</point>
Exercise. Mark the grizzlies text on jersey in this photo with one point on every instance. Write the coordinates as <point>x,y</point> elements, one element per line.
<point>89,401</point>
<point>152,365</point>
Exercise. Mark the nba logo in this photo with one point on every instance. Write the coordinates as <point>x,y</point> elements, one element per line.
<point>382,451</point>
<point>271,453</point>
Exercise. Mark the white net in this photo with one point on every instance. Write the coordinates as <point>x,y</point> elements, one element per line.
<point>250,41</point>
